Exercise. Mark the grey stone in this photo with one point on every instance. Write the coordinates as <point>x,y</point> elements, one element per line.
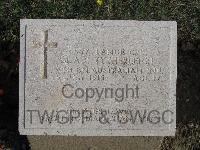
<point>94,143</point>
<point>97,78</point>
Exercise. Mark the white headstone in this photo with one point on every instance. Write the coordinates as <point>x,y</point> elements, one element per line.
<point>97,78</point>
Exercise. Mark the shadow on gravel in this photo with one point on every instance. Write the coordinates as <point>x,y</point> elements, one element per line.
<point>187,99</point>
<point>9,98</point>
<point>188,82</point>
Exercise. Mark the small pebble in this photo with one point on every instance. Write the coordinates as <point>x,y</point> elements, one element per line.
<point>1,92</point>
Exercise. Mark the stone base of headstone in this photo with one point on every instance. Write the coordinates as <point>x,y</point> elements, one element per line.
<point>94,143</point>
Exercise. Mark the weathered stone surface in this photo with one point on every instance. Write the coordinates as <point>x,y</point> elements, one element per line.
<point>94,143</point>
<point>98,78</point>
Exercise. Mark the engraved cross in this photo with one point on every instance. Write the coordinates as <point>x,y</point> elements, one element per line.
<point>45,44</point>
